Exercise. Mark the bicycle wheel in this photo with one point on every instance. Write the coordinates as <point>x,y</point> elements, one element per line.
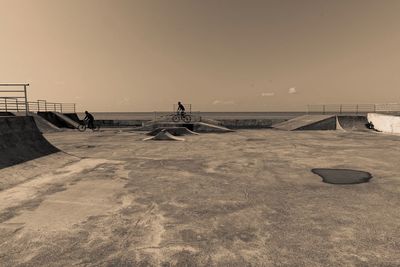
<point>176,118</point>
<point>82,127</point>
<point>187,118</point>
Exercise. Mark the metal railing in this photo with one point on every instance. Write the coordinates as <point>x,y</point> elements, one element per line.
<point>353,108</point>
<point>14,100</point>
<point>44,106</point>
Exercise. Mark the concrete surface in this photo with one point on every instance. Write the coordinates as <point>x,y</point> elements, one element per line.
<point>247,198</point>
<point>385,123</point>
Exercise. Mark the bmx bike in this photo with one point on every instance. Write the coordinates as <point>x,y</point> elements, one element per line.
<point>181,116</point>
<point>84,126</point>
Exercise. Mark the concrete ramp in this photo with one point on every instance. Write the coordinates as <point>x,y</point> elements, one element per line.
<point>385,123</point>
<point>198,127</point>
<point>43,125</point>
<point>164,136</point>
<point>201,127</point>
<point>353,123</point>
<point>6,114</point>
<point>308,122</point>
<point>21,140</point>
<point>58,119</point>
<point>73,116</point>
<point>176,131</point>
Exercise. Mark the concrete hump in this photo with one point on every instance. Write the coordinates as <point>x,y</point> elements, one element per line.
<point>176,131</point>
<point>164,135</point>
<point>385,123</point>
<point>21,140</point>
<point>308,122</point>
<point>198,127</point>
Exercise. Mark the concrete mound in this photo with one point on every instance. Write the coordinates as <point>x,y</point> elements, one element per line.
<point>21,140</point>
<point>163,135</point>
<point>176,131</point>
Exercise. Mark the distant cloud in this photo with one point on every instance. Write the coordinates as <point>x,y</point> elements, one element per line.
<point>267,94</point>
<point>223,102</point>
<point>292,90</point>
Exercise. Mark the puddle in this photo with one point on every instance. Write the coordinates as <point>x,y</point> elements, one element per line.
<point>343,176</point>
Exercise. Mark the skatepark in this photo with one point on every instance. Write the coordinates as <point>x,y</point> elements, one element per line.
<point>216,198</point>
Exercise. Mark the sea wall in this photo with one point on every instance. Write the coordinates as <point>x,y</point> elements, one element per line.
<point>250,123</point>
<point>229,123</point>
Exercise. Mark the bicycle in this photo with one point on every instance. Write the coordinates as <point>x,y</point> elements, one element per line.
<point>84,126</point>
<point>181,116</point>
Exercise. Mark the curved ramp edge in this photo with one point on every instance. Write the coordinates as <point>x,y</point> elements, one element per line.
<point>21,140</point>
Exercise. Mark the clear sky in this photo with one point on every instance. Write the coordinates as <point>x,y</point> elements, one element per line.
<point>219,55</point>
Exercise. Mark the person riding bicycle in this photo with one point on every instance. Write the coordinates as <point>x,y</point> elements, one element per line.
<point>181,109</point>
<point>89,119</point>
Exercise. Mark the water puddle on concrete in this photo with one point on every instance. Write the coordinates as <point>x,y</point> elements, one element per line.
<point>343,176</point>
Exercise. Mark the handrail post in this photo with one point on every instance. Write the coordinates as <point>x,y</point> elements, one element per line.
<point>323,109</point>
<point>357,109</point>
<point>340,108</point>
<point>61,108</point>
<point>5,104</point>
<point>74,108</point>
<point>38,106</point>
<point>26,101</point>
<point>16,103</point>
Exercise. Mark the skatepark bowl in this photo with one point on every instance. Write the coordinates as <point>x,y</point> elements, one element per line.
<point>343,176</point>
<point>244,198</point>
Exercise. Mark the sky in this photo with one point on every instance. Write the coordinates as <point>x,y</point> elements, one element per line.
<point>218,55</point>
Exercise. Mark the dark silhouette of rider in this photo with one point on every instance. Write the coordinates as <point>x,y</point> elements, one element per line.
<point>89,119</point>
<point>181,109</point>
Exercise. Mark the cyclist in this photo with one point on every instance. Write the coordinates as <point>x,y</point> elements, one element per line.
<point>181,109</point>
<point>89,119</point>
